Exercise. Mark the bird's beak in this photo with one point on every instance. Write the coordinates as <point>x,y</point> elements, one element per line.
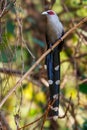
<point>44,13</point>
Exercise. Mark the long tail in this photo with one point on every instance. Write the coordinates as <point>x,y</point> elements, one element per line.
<point>53,71</point>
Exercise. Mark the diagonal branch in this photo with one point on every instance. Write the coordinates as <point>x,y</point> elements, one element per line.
<point>40,59</point>
<point>5,10</point>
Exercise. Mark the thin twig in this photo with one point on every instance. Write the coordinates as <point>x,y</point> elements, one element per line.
<point>75,57</point>
<point>4,8</point>
<point>3,122</point>
<point>40,59</point>
<point>66,108</point>
<point>21,35</point>
<point>16,72</point>
<point>10,72</point>
<point>32,122</point>
<point>46,113</point>
<point>43,116</point>
<point>6,11</point>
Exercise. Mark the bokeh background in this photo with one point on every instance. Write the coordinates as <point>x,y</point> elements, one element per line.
<point>22,42</point>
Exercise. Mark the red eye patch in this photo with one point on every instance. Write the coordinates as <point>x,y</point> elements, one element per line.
<point>50,12</point>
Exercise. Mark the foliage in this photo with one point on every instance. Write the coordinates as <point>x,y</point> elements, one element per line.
<point>22,41</point>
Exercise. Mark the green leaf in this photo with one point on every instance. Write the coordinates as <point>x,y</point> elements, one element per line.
<point>83,88</point>
<point>85,0</point>
<point>39,42</point>
<point>33,112</point>
<point>85,125</point>
<point>6,55</point>
<point>82,12</point>
<point>4,42</point>
<point>10,27</point>
<point>6,52</point>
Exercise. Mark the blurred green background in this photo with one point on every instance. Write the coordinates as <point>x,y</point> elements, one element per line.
<point>22,30</point>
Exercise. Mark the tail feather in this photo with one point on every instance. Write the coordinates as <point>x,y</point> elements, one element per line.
<point>49,63</point>
<point>56,86</point>
<point>53,71</point>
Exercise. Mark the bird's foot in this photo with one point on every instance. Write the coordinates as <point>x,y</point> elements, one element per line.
<point>51,47</point>
<point>61,39</point>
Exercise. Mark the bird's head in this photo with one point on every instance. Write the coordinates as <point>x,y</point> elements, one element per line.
<point>53,23</point>
<point>49,13</point>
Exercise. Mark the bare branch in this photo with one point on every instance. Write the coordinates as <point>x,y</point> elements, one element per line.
<point>75,57</point>
<point>32,122</point>
<point>5,11</point>
<point>43,116</point>
<point>3,122</point>
<point>46,114</point>
<point>69,103</point>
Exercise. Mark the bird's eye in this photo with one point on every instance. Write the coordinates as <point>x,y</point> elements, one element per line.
<point>50,12</point>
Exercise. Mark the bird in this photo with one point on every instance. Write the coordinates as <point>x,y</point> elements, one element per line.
<point>54,31</point>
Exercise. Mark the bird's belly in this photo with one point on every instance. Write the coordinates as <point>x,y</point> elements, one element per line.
<point>53,35</point>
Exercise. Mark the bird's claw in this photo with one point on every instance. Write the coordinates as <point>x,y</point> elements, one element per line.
<point>51,47</point>
<point>61,38</point>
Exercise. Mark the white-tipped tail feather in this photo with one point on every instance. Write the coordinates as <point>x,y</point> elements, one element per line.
<point>55,118</point>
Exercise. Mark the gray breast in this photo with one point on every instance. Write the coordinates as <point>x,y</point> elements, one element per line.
<point>54,30</point>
